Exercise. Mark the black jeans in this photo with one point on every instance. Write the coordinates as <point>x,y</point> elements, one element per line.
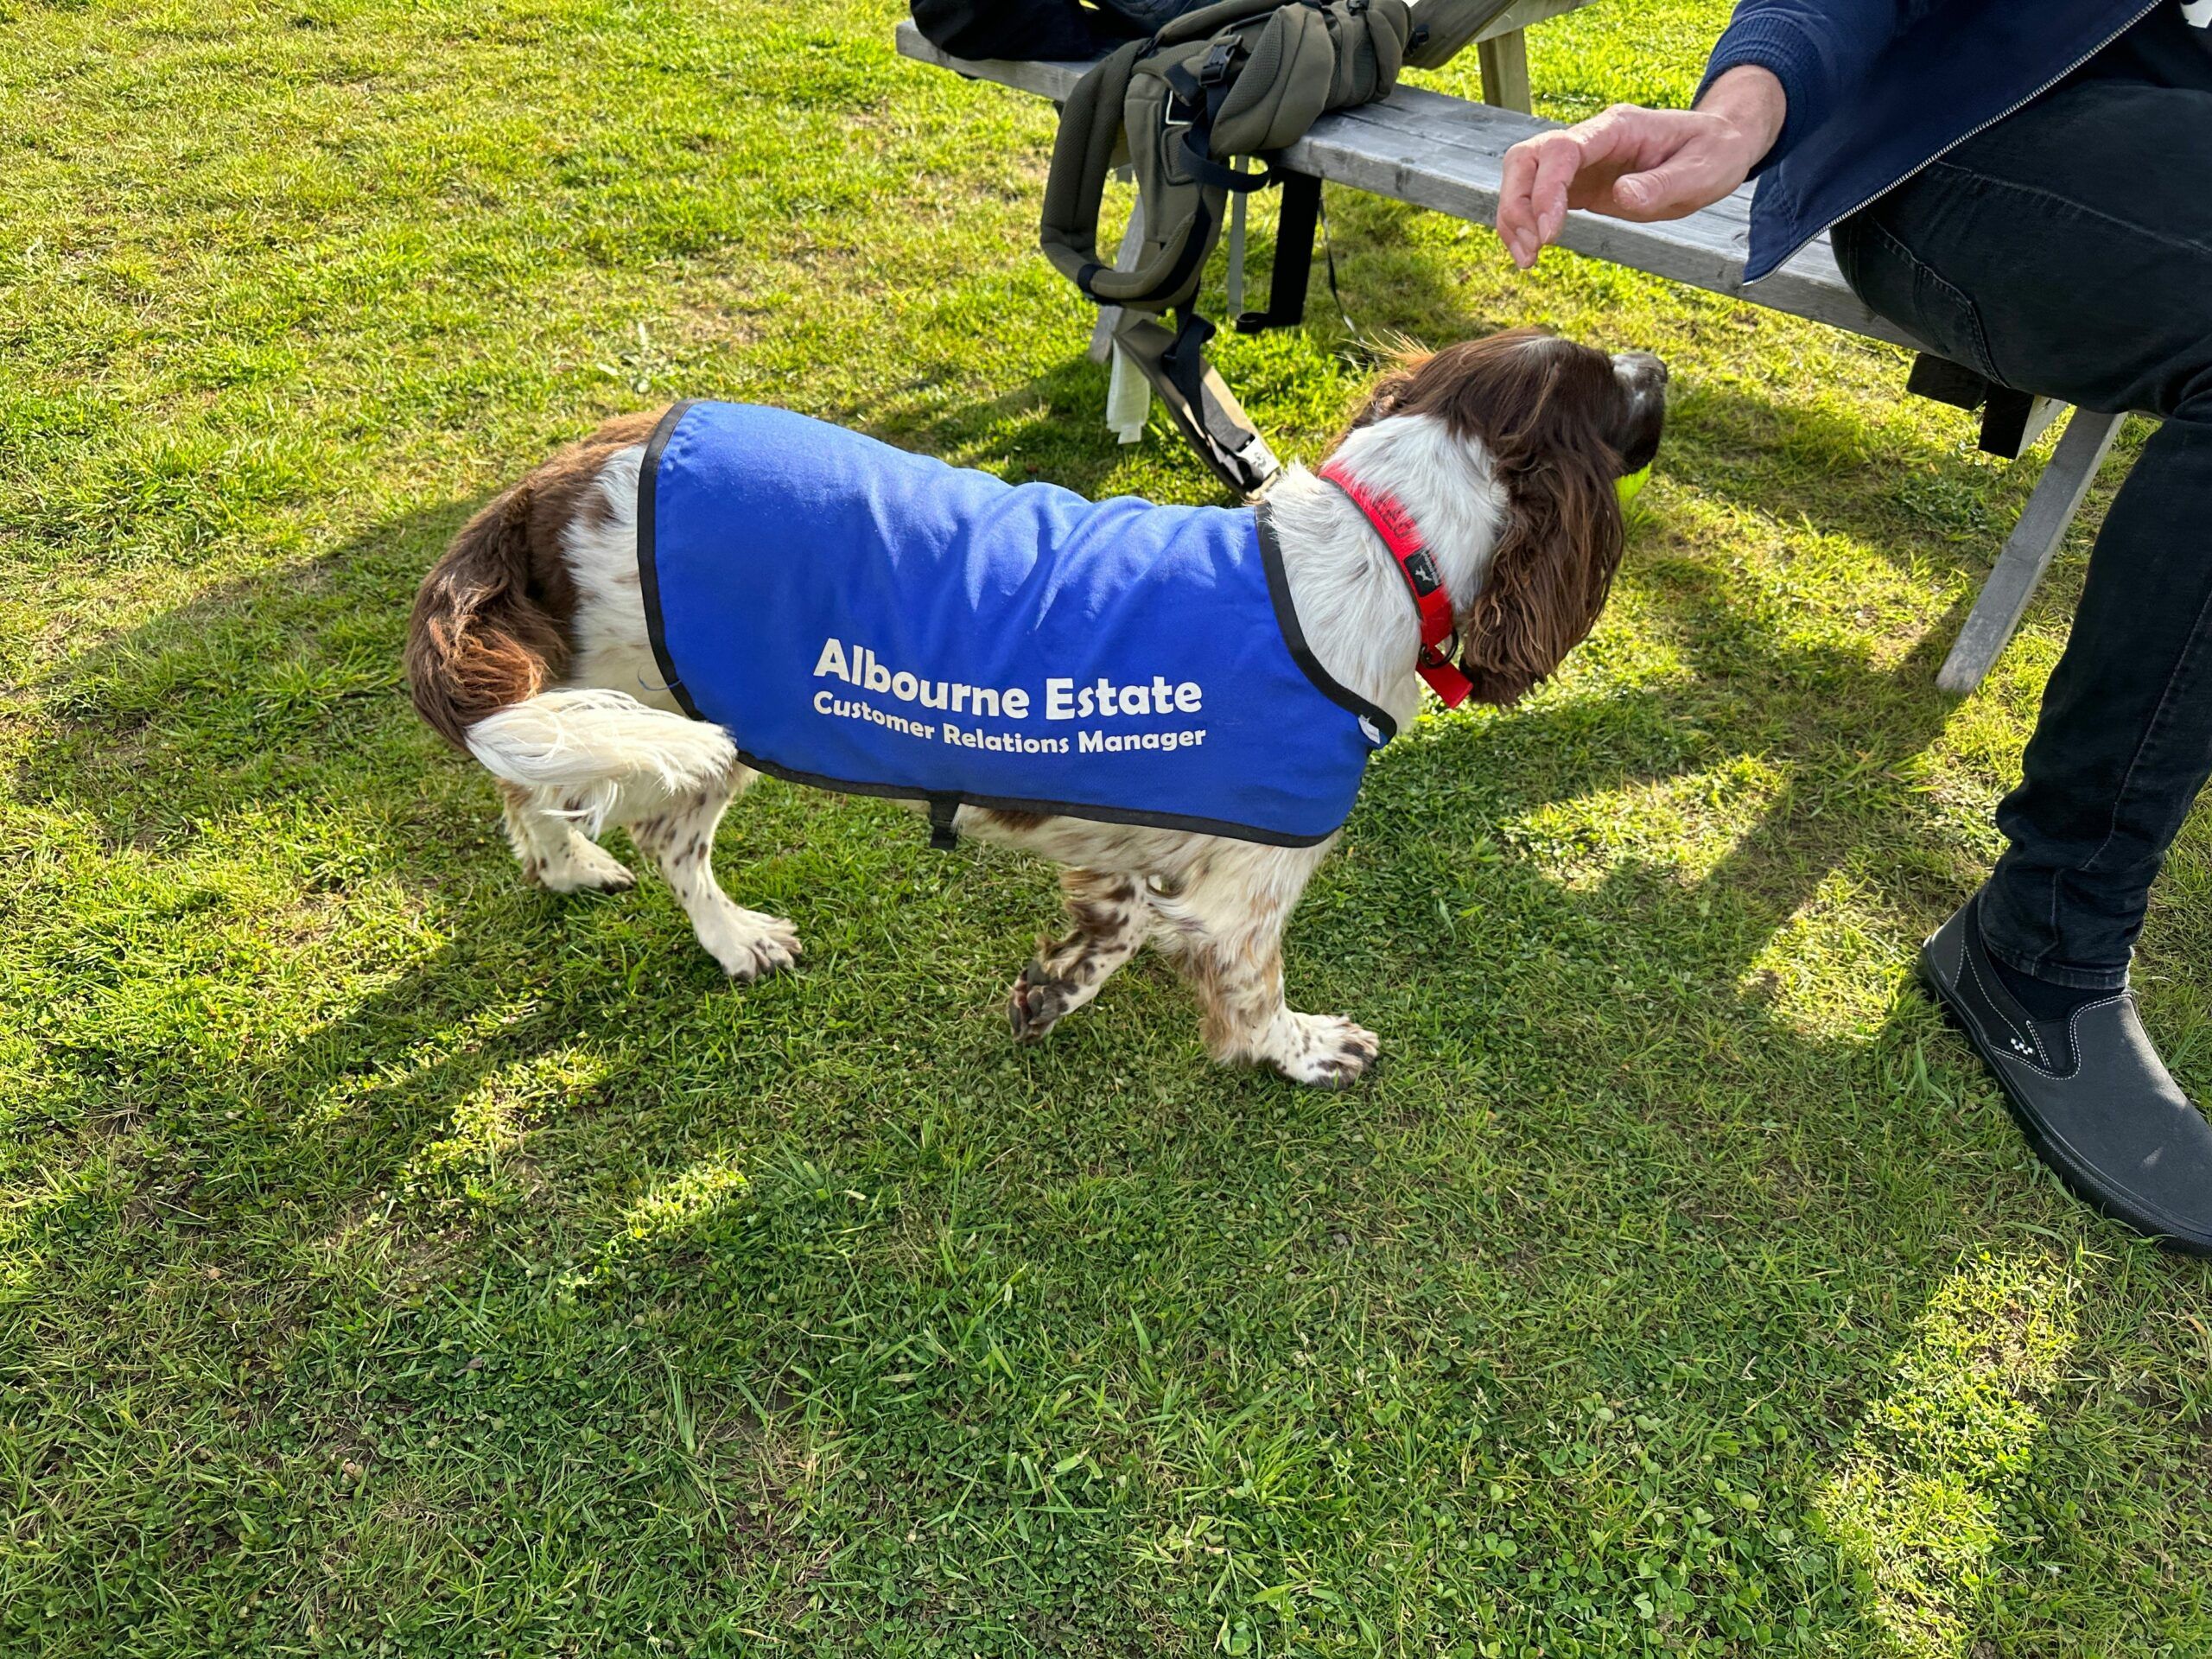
<point>2067,251</point>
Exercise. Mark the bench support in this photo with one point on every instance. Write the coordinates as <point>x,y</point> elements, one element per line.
<point>1109,316</point>
<point>1128,394</point>
<point>2028,551</point>
<point>1240,205</point>
<point>1504,62</point>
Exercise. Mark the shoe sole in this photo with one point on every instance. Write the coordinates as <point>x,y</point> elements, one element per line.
<point>2055,1156</point>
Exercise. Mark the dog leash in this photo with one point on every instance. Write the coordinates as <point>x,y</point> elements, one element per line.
<point>1416,563</point>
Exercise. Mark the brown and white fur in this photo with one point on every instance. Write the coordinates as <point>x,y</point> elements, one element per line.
<point>528,650</point>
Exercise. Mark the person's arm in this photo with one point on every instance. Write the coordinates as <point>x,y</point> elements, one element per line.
<point>1821,51</point>
<point>1782,68</point>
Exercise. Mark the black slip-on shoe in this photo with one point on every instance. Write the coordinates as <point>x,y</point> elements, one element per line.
<point>2091,1093</point>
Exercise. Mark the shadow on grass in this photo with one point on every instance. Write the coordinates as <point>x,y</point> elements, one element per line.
<point>282,685</point>
<point>254,754</point>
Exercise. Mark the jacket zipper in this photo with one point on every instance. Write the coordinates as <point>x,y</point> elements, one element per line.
<point>2141,14</point>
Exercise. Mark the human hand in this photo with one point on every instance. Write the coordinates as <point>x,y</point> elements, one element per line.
<point>1639,164</point>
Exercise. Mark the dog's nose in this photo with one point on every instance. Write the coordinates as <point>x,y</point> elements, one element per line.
<point>1640,370</point>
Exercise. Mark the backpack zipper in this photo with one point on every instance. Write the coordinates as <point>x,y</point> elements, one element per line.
<point>2005,114</point>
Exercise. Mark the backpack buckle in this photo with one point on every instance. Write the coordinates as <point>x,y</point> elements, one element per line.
<point>1219,59</point>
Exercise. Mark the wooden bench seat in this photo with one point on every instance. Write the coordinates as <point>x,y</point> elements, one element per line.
<point>1447,154</point>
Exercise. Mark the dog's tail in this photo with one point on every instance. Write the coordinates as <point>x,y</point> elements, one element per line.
<point>587,744</point>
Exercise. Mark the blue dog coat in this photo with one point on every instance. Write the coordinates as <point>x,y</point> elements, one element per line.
<point>866,620</point>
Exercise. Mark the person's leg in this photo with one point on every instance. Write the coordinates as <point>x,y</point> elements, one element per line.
<point>2124,741</point>
<point>2067,251</point>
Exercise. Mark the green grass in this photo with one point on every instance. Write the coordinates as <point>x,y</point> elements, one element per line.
<point>395,1260</point>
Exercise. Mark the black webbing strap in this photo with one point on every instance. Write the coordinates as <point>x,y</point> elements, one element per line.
<point>1301,209</point>
<point>1197,399</point>
<point>1185,363</point>
<point>1302,216</point>
<point>1329,256</point>
<point>943,836</point>
<point>1207,170</point>
<point>1203,95</point>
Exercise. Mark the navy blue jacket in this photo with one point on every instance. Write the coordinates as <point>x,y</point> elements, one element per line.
<point>868,620</point>
<point>1879,88</point>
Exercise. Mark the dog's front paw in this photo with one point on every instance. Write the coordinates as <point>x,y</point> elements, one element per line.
<point>1326,1051</point>
<point>749,945</point>
<point>1036,1002</point>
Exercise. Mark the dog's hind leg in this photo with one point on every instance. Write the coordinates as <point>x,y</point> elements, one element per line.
<point>1225,932</point>
<point>676,831</point>
<point>1112,915</point>
<point>553,852</point>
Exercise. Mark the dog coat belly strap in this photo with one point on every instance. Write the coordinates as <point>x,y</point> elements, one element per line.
<point>943,809</point>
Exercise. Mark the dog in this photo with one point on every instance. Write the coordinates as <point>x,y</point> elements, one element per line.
<point>1464,532</point>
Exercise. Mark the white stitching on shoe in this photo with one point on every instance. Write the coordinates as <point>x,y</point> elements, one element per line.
<point>2036,1056</point>
<point>2073,1026</point>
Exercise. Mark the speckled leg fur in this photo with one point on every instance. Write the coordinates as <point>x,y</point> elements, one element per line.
<point>1226,935</point>
<point>553,852</point>
<point>1112,917</point>
<point>677,833</point>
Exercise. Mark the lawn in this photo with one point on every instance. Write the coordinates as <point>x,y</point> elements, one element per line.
<point>395,1260</point>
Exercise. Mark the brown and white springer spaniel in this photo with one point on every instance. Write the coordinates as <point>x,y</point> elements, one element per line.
<point>529,649</point>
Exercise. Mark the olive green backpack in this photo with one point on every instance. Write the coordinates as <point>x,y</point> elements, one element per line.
<point>1238,78</point>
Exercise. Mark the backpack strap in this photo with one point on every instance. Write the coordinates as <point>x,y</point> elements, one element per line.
<point>1294,229</point>
<point>1238,77</point>
<point>1083,154</point>
<point>1092,124</point>
<point>1199,400</point>
<point>1205,91</point>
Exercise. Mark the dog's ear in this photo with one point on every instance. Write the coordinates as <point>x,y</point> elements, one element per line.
<point>1543,408</point>
<point>1541,411</point>
<point>1554,562</point>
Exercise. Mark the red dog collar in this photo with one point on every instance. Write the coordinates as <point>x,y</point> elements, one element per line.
<point>1397,528</point>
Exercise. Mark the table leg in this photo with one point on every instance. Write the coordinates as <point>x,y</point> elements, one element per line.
<point>1505,71</point>
<point>2028,551</point>
<point>1102,336</point>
